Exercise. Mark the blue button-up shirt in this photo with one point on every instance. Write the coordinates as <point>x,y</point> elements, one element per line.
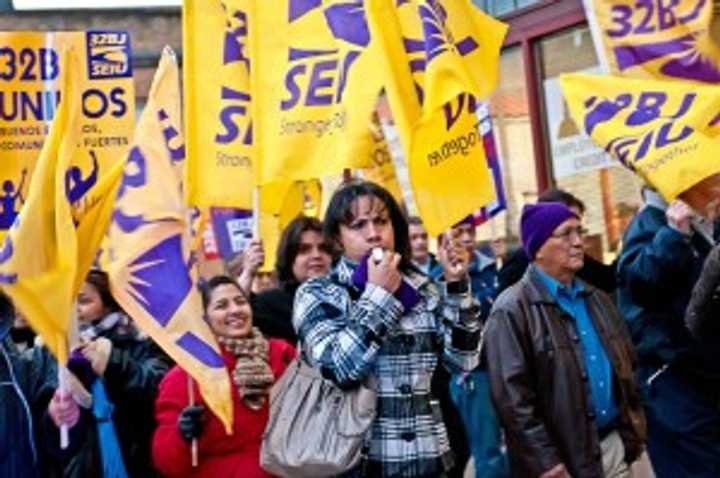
<point>598,365</point>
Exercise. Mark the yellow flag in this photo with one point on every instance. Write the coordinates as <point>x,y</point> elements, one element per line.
<point>453,45</point>
<point>313,198</point>
<point>438,56</point>
<point>38,261</point>
<point>300,197</point>
<point>657,129</point>
<point>197,221</point>
<point>315,84</point>
<point>269,230</point>
<point>150,257</point>
<point>217,104</point>
<point>92,215</point>
<point>657,40</point>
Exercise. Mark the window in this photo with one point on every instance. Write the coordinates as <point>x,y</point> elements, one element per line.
<point>498,8</point>
<point>610,192</point>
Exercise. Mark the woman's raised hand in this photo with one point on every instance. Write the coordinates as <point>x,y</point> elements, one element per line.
<point>385,273</point>
<point>454,258</point>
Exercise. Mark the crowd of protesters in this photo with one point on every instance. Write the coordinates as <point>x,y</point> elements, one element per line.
<point>541,363</point>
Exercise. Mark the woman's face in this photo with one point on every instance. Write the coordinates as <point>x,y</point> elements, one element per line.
<point>312,259</point>
<point>229,312</point>
<point>90,306</point>
<point>370,227</point>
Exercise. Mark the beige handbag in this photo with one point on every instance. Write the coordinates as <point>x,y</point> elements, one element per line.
<point>315,429</point>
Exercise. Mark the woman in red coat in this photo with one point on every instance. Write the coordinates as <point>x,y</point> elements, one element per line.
<point>254,364</point>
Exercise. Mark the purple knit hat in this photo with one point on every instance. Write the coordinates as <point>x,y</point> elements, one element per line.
<point>538,221</point>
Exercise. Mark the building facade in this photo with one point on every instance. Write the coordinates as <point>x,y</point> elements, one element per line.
<point>540,145</point>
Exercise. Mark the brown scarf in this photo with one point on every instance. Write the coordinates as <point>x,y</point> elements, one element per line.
<point>252,375</point>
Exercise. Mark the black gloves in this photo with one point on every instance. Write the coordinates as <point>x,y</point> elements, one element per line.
<point>191,422</point>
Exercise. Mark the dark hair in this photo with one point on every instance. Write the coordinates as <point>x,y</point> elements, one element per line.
<point>289,246</point>
<point>340,211</point>
<point>207,288</point>
<point>414,221</point>
<point>558,195</point>
<point>100,280</point>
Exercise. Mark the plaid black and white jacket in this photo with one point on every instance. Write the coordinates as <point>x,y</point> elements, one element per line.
<point>350,334</point>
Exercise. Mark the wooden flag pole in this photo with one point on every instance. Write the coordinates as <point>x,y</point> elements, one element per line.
<point>194,443</point>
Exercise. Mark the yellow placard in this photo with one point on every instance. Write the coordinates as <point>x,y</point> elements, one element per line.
<point>30,72</point>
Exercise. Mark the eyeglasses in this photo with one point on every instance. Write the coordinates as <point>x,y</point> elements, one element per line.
<point>567,234</point>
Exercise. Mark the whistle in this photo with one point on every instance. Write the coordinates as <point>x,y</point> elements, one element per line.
<point>377,254</point>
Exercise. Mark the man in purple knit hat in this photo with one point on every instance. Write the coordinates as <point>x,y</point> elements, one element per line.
<point>561,362</point>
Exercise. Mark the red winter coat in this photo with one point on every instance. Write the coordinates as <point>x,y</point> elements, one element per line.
<point>219,455</point>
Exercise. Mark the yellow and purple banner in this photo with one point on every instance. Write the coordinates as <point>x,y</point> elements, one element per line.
<point>661,40</point>
<point>150,247</point>
<point>315,71</point>
<point>52,243</point>
<point>30,72</point>
<point>439,56</point>
<point>658,129</point>
<point>219,137</point>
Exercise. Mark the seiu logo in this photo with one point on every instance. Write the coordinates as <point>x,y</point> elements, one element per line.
<point>437,40</point>
<point>234,118</point>
<point>108,54</point>
<point>648,107</point>
<point>318,77</point>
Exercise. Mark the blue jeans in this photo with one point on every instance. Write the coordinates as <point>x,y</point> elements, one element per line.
<point>683,428</point>
<point>471,395</point>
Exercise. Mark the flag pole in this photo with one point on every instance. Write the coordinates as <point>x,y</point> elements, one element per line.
<point>63,386</point>
<point>194,443</point>
<point>71,340</point>
<point>256,212</point>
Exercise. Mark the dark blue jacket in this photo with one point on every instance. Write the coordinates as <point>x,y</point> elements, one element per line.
<point>25,391</point>
<point>657,270</point>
